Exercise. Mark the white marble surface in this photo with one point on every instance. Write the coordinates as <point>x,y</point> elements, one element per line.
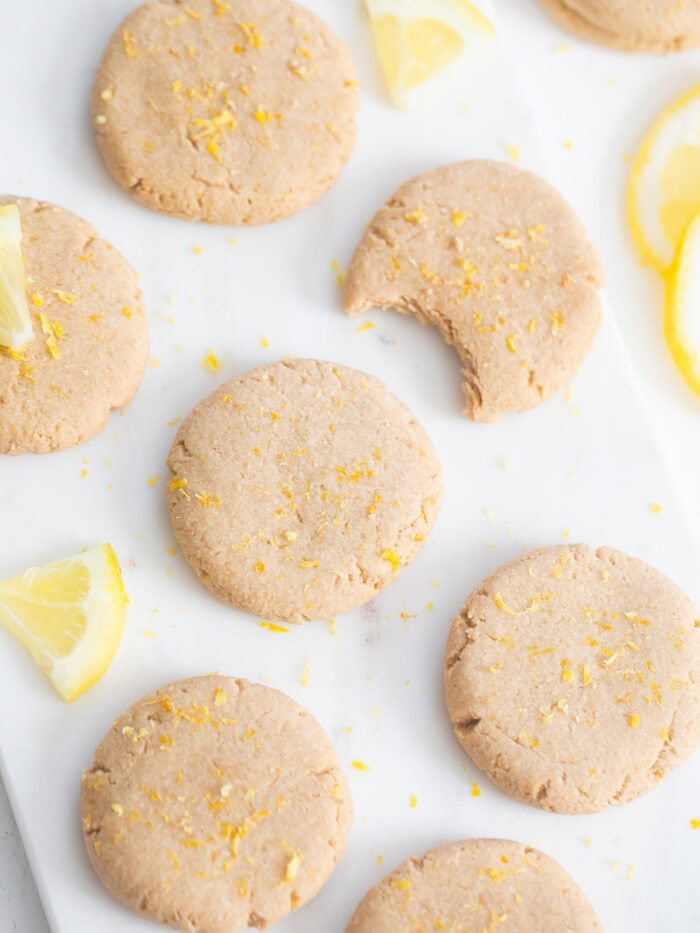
<point>600,102</point>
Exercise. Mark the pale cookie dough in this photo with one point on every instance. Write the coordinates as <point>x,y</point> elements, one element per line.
<point>498,261</point>
<point>301,489</point>
<point>573,678</point>
<point>478,885</point>
<point>632,25</point>
<point>90,344</point>
<point>215,804</point>
<point>236,112</point>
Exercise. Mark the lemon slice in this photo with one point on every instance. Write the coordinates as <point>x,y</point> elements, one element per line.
<point>664,189</point>
<point>15,322</point>
<point>417,39</point>
<point>70,615</point>
<point>682,312</point>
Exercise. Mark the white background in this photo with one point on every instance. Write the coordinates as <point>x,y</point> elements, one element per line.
<point>600,102</point>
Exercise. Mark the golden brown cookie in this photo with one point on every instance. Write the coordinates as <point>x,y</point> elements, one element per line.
<point>90,344</point>
<point>215,804</point>
<point>631,25</point>
<point>499,263</point>
<point>236,112</point>
<point>573,678</point>
<point>476,885</point>
<point>301,490</point>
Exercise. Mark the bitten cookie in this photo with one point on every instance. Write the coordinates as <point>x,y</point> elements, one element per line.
<point>301,489</point>
<point>215,804</point>
<point>573,678</point>
<point>499,263</point>
<point>236,112</point>
<point>476,885</point>
<point>90,344</point>
<point>632,25</point>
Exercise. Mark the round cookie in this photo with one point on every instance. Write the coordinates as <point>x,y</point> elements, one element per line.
<point>90,344</point>
<point>215,804</point>
<point>631,25</point>
<point>499,263</point>
<point>573,678</point>
<point>476,885</point>
<point>236,112</point>
<point>301,489</point>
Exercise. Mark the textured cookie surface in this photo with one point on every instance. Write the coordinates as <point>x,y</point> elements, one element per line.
<point>301,489</point>
<point>632,25</point>
<point>90,343</point>
<point>496,259</point>
<point>476,885</point>
<point>237,112</point>
<point>215,804</point>
<point>573,678</point>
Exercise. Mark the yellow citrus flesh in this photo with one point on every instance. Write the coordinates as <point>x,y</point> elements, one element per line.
<point>15,322</point>
<point>682,311</point>
<point>417,39</point>
<point>664,189</point>
<point>70,616</point>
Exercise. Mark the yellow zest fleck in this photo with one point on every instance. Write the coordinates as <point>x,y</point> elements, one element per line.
<point>393,558</point>
<point>211,130</point>
<point>402,884</point>
<point>211,363</point>
<point>261,115</point>
<point>586,678</point>
<point>663,733</point>
<point>513,152</point>
<point>416,217</point>
<point>252,34</point>
<point>309,563</point>
<point>633,721</point>
<point>360,766</point>
<point>656,508</point>
<point>510,343</point>
<point>37,299</point>
<point>54,332</point>
<point>264,343</point>
<point>106,94</point>
<point>271,627</point>
<point>153,481</point>
<point>206,500</point>
<point>458,218</point>
<point>260,567</point>
<point>476,790</point>
<point>695,824</point>
<point>220,7</point>
<point>368,325</point>
<point>557,321</point>
<point>339,274</point>
<point>68,298</point>
<point>118,809</point>
<point>413,801</point>
<point>177,483</point>
<point>292,869</point>
<point>636,619</point>
<point>130,49</point>
<point>192,13</point>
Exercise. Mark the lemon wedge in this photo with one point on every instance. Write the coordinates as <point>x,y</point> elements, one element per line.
<point>15,322</point>
<point>417,39</point>
<point>682,312</point>
<point>664,189</point>
<point>70,616</point>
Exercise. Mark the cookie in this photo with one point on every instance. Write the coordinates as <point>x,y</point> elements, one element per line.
<point>573,678</point>
<point>476,885</point>
<point>236,112</point>
<point>499,263</point>
<point>213,805</point>
<point>632,25</point>
<point>301,489</point>
<point>90,344</point>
